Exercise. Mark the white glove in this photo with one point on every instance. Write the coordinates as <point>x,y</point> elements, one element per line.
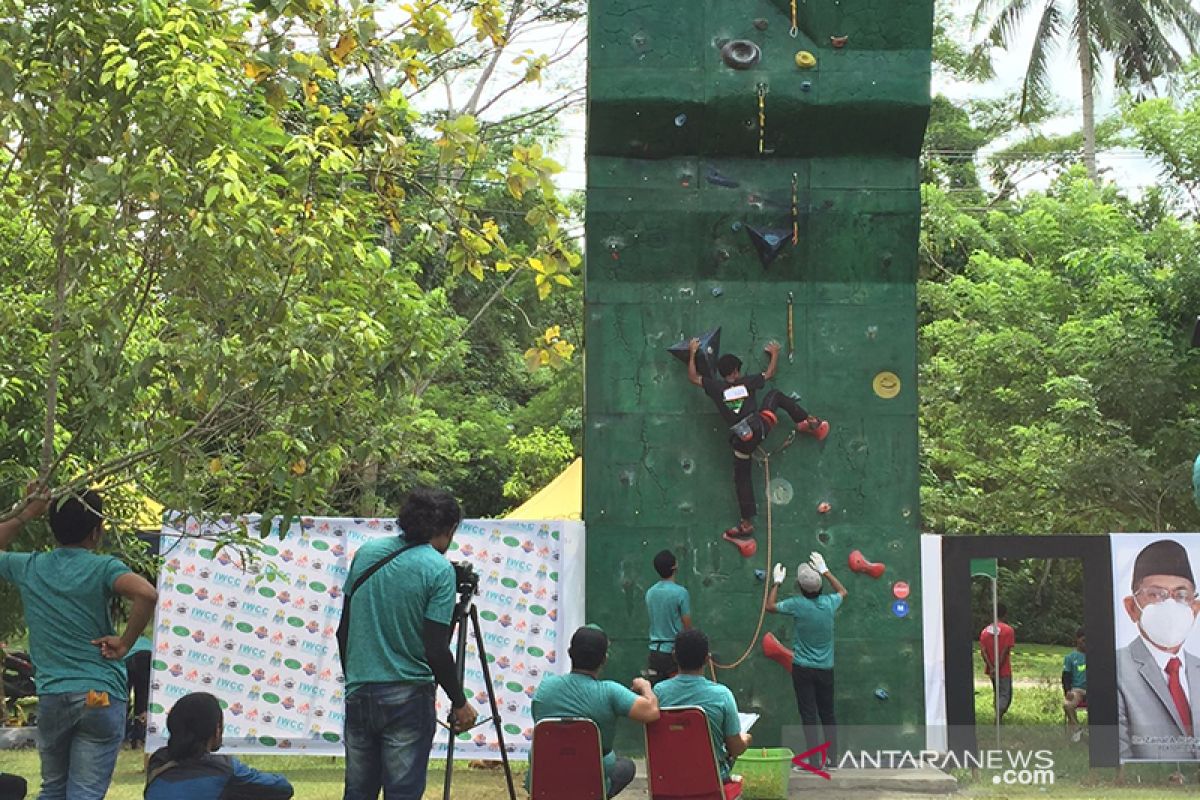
<point>780,574</point>
<point>817,561</point>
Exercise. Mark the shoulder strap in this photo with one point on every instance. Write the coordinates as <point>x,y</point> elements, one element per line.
<point>154,775</point>
<point>378,565</point>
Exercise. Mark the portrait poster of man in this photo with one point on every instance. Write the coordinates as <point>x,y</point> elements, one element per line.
<point>1158,666</point>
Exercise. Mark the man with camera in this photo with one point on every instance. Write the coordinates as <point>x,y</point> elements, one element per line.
<point>395,646</point>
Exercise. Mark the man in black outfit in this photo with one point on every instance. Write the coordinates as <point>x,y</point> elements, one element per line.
<point>733,395</point>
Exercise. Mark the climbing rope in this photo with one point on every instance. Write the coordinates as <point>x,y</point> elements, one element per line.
<point>762,118</point>
<point>765,458</point>
<point>795,31</point>
<point>795,209</point>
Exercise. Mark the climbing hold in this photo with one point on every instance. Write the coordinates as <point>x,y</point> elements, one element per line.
<point>882,693</point>
<point>706,356</point>
<point>680,120</point>
<point>760,574</point>
<point>780,491</point>
<point>717,179</point>
<point>859,564</point>
<point>838,41</point>
<point>900,590</point>
<point>740,54</point>
<point>886,385</point>
<point>805,60</point>
<point>768,243</point>
<point>823,508</point>
<point>744,543</point>
<point>806,86</point>
<point>900,608</point>
<point>761,24</point>
<point>775,651</point>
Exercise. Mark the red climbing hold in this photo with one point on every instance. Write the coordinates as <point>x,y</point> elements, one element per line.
<point>742,537</point>
<point>774,650</point>
<point>859,564</point>
<point>823,508</point>
<point>839,41</point>
<point>817,428</point>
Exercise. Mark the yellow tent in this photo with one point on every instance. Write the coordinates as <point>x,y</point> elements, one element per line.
<point>561,499</point>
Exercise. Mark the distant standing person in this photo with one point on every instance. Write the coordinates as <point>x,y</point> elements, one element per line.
<point>812,649</point>
<point>79,659</point>
<point>1002,689</point>
<point>1074,683</point>
<point>669,607</point>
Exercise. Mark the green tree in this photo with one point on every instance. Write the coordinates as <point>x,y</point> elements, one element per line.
<point>1135,34</point>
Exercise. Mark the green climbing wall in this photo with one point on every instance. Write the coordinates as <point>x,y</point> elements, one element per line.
<point>675,178</point>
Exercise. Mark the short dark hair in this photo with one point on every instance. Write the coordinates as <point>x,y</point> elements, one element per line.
<point>811,595</point>
<point>428,513</point>
<point>72,519</point>
<point>691,649</point>
<point>1001,611</point>
<point>193,720</point>
<point>664,563</point>
<point>1080,633</point>
<point>728,364</point>
<point>589,648</point>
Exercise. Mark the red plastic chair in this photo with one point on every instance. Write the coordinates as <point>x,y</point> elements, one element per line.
<point>566,761</point>
<point>681,763</point>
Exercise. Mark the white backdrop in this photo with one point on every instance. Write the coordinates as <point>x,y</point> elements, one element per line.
<point>261,636</point>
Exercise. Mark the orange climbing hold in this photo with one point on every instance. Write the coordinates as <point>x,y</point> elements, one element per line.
<point>773,649</point>
<point>859,564</point>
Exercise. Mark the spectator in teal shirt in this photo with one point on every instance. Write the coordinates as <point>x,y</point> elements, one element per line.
<point>669,607</point>
<point>79,659</point>
<point>691,688</point>
<point>1074,683</point>
<point>398,647</point>
<point>581,693</point>
<point>812,649</point>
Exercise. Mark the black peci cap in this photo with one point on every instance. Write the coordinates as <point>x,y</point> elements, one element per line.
<point>1164,557</point>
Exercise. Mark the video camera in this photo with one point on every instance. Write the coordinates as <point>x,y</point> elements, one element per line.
<point>466,579</point>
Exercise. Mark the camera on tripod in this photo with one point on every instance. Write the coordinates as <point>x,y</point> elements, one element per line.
<point>466,579</point>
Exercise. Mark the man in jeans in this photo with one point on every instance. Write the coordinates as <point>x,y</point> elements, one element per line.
<point>812,650</point>
<point>398,646</point>
<point>987,648</point>
<point>80,679</point>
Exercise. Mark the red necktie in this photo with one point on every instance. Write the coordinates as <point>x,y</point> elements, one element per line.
<point>1176,689</point>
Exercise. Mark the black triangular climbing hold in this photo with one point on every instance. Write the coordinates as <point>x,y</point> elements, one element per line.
<point>768,243</point>
<point>706,356</point>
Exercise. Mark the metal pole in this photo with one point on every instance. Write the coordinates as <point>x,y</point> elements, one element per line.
<point>996,653</point>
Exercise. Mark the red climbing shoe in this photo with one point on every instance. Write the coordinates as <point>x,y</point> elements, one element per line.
<point>742,537</point>
<point>768,418</point>
<point>817,428</point>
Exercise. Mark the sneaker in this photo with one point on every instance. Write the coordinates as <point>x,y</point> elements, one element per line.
<point>816,428</point>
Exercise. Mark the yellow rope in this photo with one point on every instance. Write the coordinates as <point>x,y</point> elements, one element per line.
<point>795,212</point>
<point>762,612</point>
<point>795,22</point>
<point>762,118</point>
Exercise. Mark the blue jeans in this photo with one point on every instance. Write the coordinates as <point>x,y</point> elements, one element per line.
<point>389,733</point>
<point>78,746</point>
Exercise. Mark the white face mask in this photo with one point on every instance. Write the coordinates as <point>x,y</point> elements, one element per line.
<point>1167,623</point>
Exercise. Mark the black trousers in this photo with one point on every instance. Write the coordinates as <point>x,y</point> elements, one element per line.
<point>814,699</point>
<point>138,669</point>
<point>743,450</point>
<point>660,666</point>
<point>12,787</point>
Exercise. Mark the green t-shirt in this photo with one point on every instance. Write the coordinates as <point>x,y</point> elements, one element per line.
<point>388,617</point>
<point>717,702</point>
<point>575,695</point>
<point>67,595</point>
<point>667,603</point>
<point>1076,664</point>
<point>813,642</point>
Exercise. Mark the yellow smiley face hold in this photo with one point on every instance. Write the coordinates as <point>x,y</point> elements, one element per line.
<point>886,385</point>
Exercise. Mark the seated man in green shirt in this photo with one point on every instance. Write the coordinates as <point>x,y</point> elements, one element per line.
<point>581,693</point>
<point>691,688</point>
<point>669,607</point>
<point>1074,683</point>
<point>81,684</point>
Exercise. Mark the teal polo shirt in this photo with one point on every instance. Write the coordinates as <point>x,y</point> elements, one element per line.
<point>1076,664</point>
<point>387,621</point>
<point>813,643</point>
<point>575,695</point>
<point>67,594</point>
<point>667,603</point>
<point>718,704</point>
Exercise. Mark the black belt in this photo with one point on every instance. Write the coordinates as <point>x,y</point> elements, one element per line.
<point>657,646</point>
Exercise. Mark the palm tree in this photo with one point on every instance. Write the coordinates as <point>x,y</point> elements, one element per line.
<point>1136,34</point>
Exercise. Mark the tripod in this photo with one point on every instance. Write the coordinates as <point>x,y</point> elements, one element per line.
<point>464,611</point>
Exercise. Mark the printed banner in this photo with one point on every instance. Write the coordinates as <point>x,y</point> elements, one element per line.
<point>261,636</point>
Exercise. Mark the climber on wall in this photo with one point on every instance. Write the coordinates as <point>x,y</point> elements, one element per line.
<point>733,395</point>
